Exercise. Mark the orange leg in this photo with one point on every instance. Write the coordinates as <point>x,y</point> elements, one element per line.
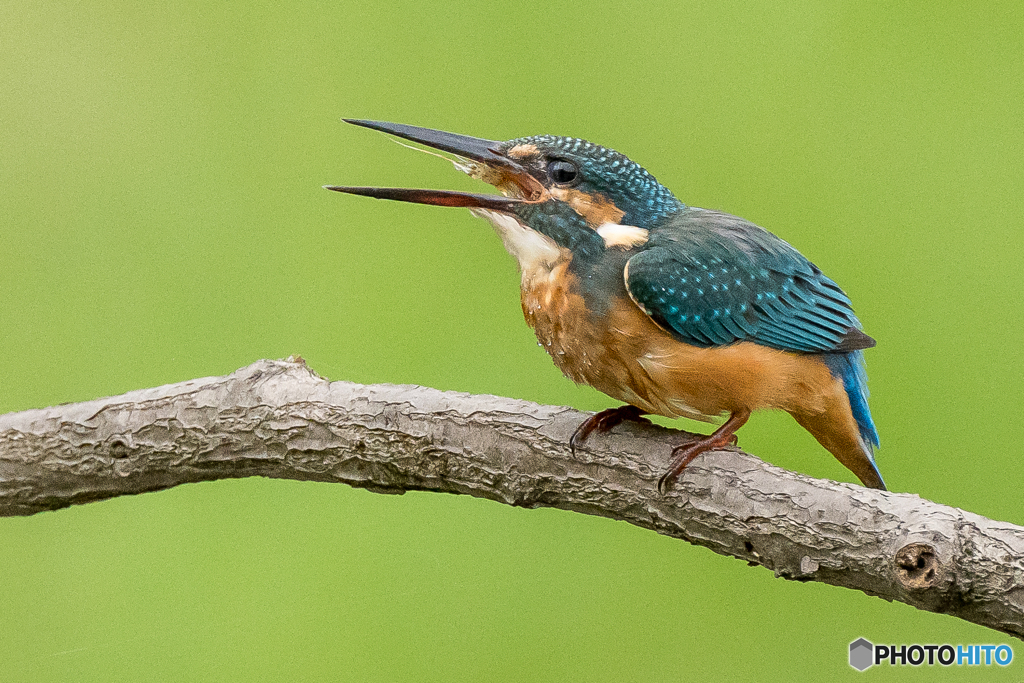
<point>603,421</point>
<point>684,455</point>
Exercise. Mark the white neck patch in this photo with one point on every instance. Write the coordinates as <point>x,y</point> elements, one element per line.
<point>622,236</point>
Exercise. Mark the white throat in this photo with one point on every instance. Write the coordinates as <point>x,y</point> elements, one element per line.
<point>535,252</point>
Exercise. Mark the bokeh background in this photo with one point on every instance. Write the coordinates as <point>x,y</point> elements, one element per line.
<point>162,218</point>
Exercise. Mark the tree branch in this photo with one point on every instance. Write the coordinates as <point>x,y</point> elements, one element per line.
<point>279,419</point>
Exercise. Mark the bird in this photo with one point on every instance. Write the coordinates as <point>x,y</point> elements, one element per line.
<point>673,310</point>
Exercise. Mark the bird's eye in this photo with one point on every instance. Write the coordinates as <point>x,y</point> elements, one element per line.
<point>562,172</point>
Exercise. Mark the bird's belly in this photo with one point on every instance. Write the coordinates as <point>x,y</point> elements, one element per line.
<point>624,354</point>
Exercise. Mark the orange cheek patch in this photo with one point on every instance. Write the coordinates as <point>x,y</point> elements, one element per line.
<point>594,208</point>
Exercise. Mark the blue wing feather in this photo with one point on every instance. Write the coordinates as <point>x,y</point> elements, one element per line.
<point>713,279</point>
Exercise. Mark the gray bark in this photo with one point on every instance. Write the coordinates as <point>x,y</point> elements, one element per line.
<point>279,419</point>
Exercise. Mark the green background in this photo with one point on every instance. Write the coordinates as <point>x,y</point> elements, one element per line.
<point>162,219</point>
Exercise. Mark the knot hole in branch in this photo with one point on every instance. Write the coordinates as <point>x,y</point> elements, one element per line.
<point>118,448</point>
<point>917,566</point>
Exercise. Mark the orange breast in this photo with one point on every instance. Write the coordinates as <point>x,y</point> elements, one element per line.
<point>624,354</point>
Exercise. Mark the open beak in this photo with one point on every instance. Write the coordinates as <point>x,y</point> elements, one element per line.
<point>483,158</point>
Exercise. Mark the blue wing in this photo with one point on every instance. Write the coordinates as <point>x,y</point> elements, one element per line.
<point>712,279</point>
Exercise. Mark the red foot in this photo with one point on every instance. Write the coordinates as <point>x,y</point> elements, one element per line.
<point>683,455</point>
<point>604,421</point>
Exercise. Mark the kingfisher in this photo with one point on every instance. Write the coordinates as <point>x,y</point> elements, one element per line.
<point>671,309</point>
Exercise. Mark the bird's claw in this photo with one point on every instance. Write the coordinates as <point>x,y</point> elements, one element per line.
<point>681,457</point>
<point>603,421</point>
<point>684,454</point>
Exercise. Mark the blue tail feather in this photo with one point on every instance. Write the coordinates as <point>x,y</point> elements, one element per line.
<point>849,367</point>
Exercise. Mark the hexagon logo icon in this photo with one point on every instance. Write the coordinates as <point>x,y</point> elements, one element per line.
<point>862,654</point>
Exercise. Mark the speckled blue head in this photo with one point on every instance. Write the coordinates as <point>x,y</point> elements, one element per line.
<point>602,174</point>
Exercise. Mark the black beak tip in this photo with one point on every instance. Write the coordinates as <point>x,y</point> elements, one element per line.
<point>365,123</point>
<point>480,149</point>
